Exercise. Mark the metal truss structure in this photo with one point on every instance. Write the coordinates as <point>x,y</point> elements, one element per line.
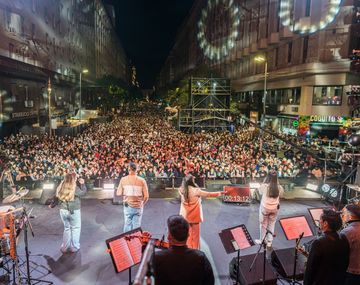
<point>209,105</point>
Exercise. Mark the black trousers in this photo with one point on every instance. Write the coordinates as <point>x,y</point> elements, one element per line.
<point>352,279</point>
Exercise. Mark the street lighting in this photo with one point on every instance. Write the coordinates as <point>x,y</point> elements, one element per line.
<point>49,104</point>
<point>262,58</point>
<point>84,71</point>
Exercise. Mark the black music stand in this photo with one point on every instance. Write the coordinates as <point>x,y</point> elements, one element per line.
<point>125,252</point>
<point>234,239</point>
<point>295,228</point>
<point>315,214</point>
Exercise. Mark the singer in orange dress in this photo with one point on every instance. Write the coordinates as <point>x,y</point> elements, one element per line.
<point>191,208</point>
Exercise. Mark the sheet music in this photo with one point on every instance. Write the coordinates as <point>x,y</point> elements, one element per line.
<point>121,254</point>
<point>135,247</point>
<point>240,237</point>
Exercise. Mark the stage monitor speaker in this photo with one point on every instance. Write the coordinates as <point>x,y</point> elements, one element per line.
<point>254,277</point>
<point>283,262</point>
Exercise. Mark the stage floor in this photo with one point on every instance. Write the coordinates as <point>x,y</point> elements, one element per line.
<point>102,220</point>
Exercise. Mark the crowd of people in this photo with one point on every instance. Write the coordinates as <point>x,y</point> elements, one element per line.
<point>103,151</point>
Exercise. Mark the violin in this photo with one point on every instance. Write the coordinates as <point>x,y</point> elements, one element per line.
<point>145,237</point>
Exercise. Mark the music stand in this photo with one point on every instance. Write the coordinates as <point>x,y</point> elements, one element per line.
<point>315,214</point>
<point>125,252</point>
<point>234,239</point>
<point>295,228</point>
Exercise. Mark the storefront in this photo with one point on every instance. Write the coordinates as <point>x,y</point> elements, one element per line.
<point>331,127</point>
<point>287,124</point>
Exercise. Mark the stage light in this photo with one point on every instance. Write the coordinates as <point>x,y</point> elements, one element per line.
<point>311,186</point>
<point>325,188</point>
<point>109,186</point>
<point>48,186</point>
<point>254,185</point>
<point>354,140</point>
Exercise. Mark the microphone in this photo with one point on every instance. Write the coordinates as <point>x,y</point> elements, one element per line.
<point>269,232</point>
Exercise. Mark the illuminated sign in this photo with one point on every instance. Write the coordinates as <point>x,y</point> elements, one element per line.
<point>327,119</point>
<point>295,124</point>
<point>287,19</point>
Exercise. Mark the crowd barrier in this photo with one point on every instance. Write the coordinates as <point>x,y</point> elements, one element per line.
<point>158,183</point>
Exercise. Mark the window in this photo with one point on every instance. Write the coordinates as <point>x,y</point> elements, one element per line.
<point>308,8</point>
<point>289,55</point>
<point>305,48</point>
<point>327,95</point>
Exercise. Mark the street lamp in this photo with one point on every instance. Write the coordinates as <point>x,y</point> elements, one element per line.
<point>83,71</point>
<point>262,58</point>
<point>49,104</point>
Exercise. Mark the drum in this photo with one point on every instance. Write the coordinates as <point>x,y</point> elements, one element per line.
<point>4,230</point>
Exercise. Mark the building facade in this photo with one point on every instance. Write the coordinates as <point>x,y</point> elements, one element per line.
<point>56,39</point>
<point>306,45</point>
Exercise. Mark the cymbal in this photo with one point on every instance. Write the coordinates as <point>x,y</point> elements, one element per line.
<point>15,196</point>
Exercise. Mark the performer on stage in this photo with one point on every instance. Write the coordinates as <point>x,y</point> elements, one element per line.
<point>136,194</point>
<point>269,206</point>
<point>68,194</point>
<point>191,208</point>
<point>350,215</point>
<point>180,264</point>
<point>329,254</point>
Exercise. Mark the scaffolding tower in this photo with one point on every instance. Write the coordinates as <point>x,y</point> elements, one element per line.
<point>209,105</point>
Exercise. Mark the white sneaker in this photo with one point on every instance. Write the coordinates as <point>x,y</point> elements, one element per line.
<point>257,241</point>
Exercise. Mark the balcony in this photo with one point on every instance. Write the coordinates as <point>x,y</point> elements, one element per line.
<point>274,39</point>
<point>263,43</point>
<point>285,33</point>
<point>254,48</point>
<point>245,51</point>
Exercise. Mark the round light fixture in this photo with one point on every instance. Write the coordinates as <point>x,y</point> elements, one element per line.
<point>325,188</point>
<point>218,51</point>
<point>287,7</point>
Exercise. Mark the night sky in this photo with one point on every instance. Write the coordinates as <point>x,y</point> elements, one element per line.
<point>147,30</point>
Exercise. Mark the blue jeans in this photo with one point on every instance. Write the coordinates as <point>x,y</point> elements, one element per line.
<point>132,218</point>
<point>72,229</point>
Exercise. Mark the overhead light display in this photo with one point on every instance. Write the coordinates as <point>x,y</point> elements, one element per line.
<point>224,44</point>
<point>285,14</point>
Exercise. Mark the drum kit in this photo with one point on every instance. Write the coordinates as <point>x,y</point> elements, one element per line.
<point>13,221</point>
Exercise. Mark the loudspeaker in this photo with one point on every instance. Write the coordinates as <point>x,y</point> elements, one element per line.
<point>283,262</point>
<point>46,195</point>
<point>254,277</point>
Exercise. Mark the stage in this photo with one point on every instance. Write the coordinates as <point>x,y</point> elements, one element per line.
<point>102,220</point>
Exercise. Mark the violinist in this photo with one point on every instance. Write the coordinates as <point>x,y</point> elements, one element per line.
<point>179,264</point>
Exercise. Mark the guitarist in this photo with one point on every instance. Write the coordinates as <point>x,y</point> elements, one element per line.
<point>329,254</point>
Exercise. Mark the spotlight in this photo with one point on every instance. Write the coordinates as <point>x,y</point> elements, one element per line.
<point>311,186</point>
<point>109,186</point>
<point>48,186</point>
<point>333,193</point>
<point>254,185</point>
<point>354,140</point>
<point>325,188</point>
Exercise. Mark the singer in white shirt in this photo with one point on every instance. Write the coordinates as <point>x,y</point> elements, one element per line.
<point>269,207</point>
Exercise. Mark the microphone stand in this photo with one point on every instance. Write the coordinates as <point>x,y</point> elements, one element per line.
<point>262,244</point>
<point>297,241</point>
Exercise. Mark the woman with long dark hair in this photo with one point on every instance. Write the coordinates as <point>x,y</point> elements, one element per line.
<point>269,206</point>
<point>68,194</point>
<point>191,208</point>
